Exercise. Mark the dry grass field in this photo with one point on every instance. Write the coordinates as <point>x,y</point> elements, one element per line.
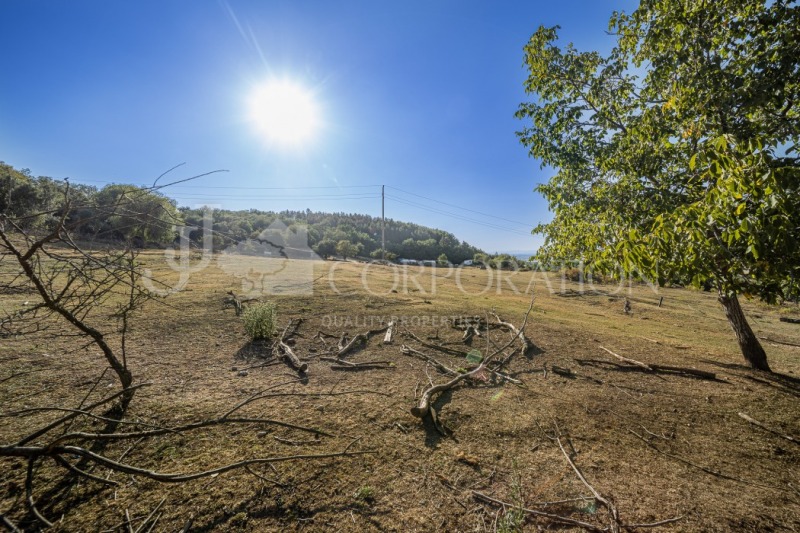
<point>658,445</point>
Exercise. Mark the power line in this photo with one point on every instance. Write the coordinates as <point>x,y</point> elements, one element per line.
<point>344,196</point>
<point>238,187</point>
<point>293,197</point>
<point>456,216</point>
<point>525,224</point>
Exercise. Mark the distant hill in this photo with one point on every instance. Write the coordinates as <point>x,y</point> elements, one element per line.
<point>325,230</point>
<point>140,215</point>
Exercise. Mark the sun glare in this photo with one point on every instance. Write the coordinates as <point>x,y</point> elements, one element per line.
<point>285,113</point>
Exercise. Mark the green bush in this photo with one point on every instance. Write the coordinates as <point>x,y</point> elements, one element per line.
<point>260,320</point>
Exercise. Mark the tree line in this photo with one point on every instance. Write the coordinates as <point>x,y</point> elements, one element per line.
<point>145,216</point>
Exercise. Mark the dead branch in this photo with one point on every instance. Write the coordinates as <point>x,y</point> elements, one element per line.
<point>664,368</point>
<point>438,347</point>
<point>344,364</point>
<point>387,339</point>
<point>361,338</point>
<point>564,372</point>
<point>768,429</point>
<point>550,516</point>
<point>470,332</point>
<point>705,469</point>
<point>293,360</point>
<point>423,407</point>
<point>342,341</point>
<point>407,350</point>
<point>237,302</point>
<point>35,452</point>
<point>627,360</point>
<point>785,343</point>
<point>29,494</point>
<point>282,347</point>
<point>38,433</point>
<point>82,435</point>
<point>790,320</point>
<point>296,442</point>
<point>615,523</point>
<point>11,526</point>
<point>527,345</point>
<point>149,517</point>
<point>502,362</point>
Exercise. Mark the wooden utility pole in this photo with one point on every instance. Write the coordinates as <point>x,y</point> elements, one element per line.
<point>383,223</point>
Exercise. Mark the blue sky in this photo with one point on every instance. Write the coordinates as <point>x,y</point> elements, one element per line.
<point>417,96</point>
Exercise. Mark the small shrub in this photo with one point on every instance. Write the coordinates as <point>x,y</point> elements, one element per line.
<point>365,494</point>
<point>260,320</point>
<point>573,274</point>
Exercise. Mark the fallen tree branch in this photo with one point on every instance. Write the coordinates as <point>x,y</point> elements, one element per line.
<point>289,355</point>
<point>140,529</point>
<point>29,494</point>
<point>358,339</point>
<point>296,442</point>
<point>342,363</point>
<point>470,332</point>
<point>701,467</point>
<point>34,452</point>
<point>612,510</point>
<point>438,347</point>
<point>407,350</point>
<point>628,360</point>
<point>664,368</point>
<point>551,516</point>
<point>423,407</point>
<point>502,362</point>
<point>387,339</point>
<point>785,343</point>
<point>616,523</point>
<point>766,428</point>
<point>36,434</point>
<point>82,435</point>
<point>527,345</point>
<point>11,526</point>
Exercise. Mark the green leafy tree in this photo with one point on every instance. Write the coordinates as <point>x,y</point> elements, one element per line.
<point>348,249</point>
<point>378,254</point>
<point>19,194</point>
<point>442,259</point>
<point>674,151</point>
<point>134,212</point>
<point>325,248</point>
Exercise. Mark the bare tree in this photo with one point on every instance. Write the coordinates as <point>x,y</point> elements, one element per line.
<point>73,292</point>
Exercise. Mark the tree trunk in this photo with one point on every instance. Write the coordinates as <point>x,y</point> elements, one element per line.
<point>751,348</point>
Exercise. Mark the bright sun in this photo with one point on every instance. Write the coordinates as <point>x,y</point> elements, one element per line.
<point>285,113</point>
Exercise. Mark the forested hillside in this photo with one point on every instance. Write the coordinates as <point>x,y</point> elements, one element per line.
<point>148,217</point>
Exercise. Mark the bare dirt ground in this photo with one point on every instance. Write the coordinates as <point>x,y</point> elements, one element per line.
<point>658,445</point>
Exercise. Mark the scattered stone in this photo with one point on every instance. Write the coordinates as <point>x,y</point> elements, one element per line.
<point>243,373</point>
